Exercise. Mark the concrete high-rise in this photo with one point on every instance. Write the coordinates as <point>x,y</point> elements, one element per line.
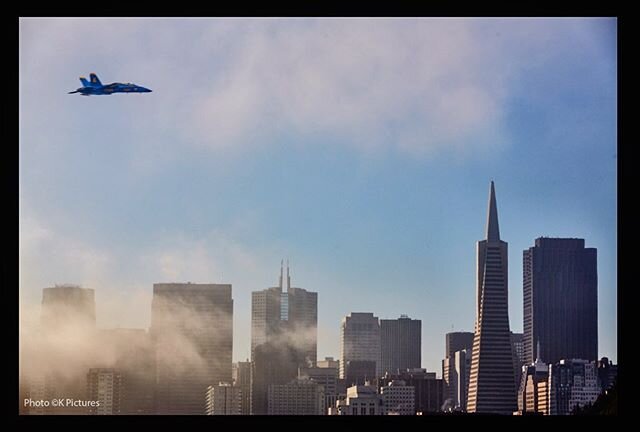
<point>283,337</point>
<point>68,306</point>
<point>223,399</point>
<point>104,386</point>
<point>398,398</point>
<point>192,333</point>
<point>428,390</point>
<point>242,377</point>
<point>560,284</point>
<point>327,377</point>
<point>400,344</point>
<point>49,367</point>
<point>301,396</point>
<point>462,370</point>
<point>360,340</point>
<point>492,387</point>
<point>455,342</point>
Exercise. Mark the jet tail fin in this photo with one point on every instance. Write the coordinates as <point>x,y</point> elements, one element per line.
<point>95,81</point>
<point>84,82</point>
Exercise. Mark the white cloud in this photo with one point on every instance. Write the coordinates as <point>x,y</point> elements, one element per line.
<point>123,278</point>
<point>411,85</point>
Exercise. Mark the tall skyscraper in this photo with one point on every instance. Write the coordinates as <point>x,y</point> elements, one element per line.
<point>68,306</point>
<point>289,317</point>
<point>400,344</point>
<point>560,284</point>
<point>360,340</point>
<point>192,331</point>
<point>68,317</point>
<point>283,337</point>
<point>492,386</point>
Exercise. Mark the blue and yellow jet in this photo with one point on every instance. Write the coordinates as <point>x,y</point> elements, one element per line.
<point>95,87</point>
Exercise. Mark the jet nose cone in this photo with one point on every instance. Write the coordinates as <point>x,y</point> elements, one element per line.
<point>146,90</point>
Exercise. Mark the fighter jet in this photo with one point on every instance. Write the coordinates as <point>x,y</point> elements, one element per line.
<point>95,87</point>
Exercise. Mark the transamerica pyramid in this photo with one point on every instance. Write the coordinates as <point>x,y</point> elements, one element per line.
<point>491,384</point>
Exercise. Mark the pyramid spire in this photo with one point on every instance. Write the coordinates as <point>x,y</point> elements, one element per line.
<point>493,231</point>
<point>288,277</point>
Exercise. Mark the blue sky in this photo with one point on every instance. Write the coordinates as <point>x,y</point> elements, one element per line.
<point>360,149</point>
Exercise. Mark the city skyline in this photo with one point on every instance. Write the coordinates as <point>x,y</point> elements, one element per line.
<point>369,186</point>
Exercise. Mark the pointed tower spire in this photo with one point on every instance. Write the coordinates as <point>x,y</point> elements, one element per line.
<point>493,231</point>
<point>538,350</point>
<point>288,277</point>
<point>281,264</point>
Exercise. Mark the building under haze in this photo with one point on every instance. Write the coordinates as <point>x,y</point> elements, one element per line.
<point>223,399</point>
<point>68,305</point>
<point>560,284</point>
<point>104,386</point>
<point>131,352</point>
<point>492,387</point>
<point>301,396</point>
<point>283,337</point>
<point>242,376</point>
<point>360,341</point>
<point>400,344</point>
<point>192,332</point>
<point>56,359</point>
<point>327,377</point>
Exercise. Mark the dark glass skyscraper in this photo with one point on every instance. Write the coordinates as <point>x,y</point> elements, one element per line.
<point>192,333</point>
<point>560,283</point>
<point>491,384</point>
<point>400,344</point>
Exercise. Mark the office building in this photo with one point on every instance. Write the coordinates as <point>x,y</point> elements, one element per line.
<point>492,387</point>
<point>301,396</point>
<point>242,378</point>
<point>104,386</point>
<point>560,295</point>
<point>454,342</point>
<point>428,390</point>
<point>223,399</point>
<point>329,362</point>
<point>400,344</point>
<point>572,383</point>
<point>283,337</point>
<point>192,333</point>
<point>360,341</point>
<point>360,400</point>
<point>398,398</point>
<point>327,377</point>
